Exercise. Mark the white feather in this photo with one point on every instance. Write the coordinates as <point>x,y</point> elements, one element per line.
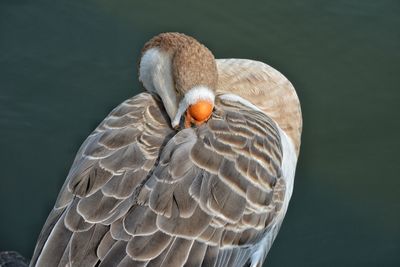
<point>236,98</point>
<point>289,162</point>
<point>156,75</point>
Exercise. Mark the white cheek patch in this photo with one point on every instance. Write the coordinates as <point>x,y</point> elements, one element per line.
<point>191,97</point>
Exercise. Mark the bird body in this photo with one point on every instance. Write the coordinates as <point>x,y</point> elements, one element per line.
<point>197,171</point>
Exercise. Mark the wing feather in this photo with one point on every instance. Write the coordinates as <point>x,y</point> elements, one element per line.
<point>196,254</point>
<point>141,194</point>
<point>83,246</point>
<point>224,202</point>
<point>105,245</point>
<point>147,247</point>
<point>115,255</point>
<point>102,186</point>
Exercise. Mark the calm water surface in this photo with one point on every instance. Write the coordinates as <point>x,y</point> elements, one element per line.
<point>65,64</point>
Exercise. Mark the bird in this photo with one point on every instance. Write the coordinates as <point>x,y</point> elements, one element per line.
<point>197,170</point>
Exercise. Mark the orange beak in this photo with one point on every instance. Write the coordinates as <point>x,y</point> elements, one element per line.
<point>198,113</point>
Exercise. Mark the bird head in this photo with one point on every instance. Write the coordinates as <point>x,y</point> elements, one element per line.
<point>183,73</point>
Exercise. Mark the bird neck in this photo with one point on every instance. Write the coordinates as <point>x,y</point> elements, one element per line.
<point>155,72</point>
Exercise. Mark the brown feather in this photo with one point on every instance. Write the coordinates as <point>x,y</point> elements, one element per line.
<point>84,245</point>
<point>266,88</point>
<point>196,254</point>
<point>140,220</point>
<point>74,221</point>
<point>178,253</point>
<point>148,247</point>
<point>105,245</point>
<point>53,250</point>
<point>211,256</point>
<point>141,193</point>
<point>115,255</point>
<point>129,262</point>
<point>118,231</point>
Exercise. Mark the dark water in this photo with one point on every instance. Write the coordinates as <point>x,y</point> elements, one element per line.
<point>65,64</point>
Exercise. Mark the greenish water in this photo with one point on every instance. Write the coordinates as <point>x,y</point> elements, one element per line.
<point>65,64</point>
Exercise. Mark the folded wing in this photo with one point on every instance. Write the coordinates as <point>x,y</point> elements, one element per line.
<point>141,194</point>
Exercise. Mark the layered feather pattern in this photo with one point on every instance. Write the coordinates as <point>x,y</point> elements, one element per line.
<point>140,193</point>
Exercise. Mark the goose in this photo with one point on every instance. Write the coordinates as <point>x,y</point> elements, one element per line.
<point>198,170</point>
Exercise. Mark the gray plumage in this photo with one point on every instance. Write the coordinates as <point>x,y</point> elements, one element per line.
<point>142,193</point>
